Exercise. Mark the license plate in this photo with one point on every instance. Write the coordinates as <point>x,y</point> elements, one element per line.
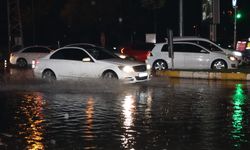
<point>143,74</point>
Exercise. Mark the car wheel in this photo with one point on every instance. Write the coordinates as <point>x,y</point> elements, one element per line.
<point>160,65</point>
<point>49,75</point>
<point>109,75</point>
<point>21,62</point>
<point>219,64</point>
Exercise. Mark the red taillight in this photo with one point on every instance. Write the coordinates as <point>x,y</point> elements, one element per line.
<point>122,50</point>
<point>149,54</point>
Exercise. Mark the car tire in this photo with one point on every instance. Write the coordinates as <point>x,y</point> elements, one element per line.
<point>109,75</point>
<point>49,75</point>
<point>219,64</point>
<point>160,65</point>
<point>21,62</point>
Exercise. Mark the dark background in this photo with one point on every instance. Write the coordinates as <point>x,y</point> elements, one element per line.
<point>49,21</point>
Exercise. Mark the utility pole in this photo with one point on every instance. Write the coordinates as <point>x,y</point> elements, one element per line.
<point>234,4</point>
<point>15,33</point>
<point>181,17</point>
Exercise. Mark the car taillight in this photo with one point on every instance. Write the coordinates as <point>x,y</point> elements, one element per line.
<point>34,63</point>
<point>149,54</point>
<point>122,50</point>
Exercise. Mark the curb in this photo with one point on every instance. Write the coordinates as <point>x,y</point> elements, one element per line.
<point>205,75</point>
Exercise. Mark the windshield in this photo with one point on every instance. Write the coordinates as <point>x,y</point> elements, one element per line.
<point>100,53</point>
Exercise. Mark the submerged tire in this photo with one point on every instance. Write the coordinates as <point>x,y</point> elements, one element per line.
<point>21,62</point>
<point>109,75</point>
<point>49,75</point>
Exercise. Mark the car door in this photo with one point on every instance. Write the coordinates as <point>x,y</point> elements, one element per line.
<point>195,56</point>
<point>178,60</point>
<point>84,64</point>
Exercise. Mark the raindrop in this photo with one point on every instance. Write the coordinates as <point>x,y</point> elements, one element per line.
<point>53,141</point>
<point>66,116</point>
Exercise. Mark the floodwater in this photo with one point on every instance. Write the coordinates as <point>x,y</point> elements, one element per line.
<point>162,114</point>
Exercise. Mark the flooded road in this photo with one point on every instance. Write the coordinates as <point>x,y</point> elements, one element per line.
<point>162,114</point>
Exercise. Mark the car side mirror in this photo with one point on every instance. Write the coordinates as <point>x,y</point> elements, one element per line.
<point>87,59</point>
<point>203,51</point>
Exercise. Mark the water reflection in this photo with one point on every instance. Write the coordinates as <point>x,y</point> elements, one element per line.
<point>89,118</point>
<point>239,98</point>
<point>128,112</point>
<point>133,105</point>
<point>31,117</point>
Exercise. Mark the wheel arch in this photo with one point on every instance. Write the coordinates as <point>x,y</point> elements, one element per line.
<point>110,70</point>
<point>48,69</point>
<point>160,60</point>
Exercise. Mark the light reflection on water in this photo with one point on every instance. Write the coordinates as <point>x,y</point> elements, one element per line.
<point>180,115</point>
<point>237,134</point>
<point>30,126</point>
<point>128,112</point>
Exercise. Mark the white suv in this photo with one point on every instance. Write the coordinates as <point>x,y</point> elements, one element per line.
<point>188,55</point>
<point>210,46</point>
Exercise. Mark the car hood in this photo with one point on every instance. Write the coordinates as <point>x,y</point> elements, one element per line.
<point>231,52</point>
<point>121,62</point>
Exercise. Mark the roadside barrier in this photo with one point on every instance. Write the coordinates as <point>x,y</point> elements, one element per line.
<point>205,75</point>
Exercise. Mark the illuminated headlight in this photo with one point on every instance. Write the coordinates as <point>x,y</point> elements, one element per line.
<point>148,67</point>
<point>232,58</point>
<point>236,53</point>
<point>126,69</point>
<point>122,56</point>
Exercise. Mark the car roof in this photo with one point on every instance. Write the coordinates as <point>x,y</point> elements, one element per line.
<point>82,45</point>
<point>191,38</point>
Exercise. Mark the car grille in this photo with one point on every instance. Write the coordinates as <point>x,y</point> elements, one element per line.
<point>141,78</point>
<point>140,68</point>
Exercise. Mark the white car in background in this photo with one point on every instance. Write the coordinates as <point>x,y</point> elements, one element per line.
<point>69,63</point>
<point>24,57</point>
<point>210,46</point>
<point>188,55</point>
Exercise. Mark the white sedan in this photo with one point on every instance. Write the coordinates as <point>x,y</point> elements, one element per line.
<point>24,57</point>
<point>95,62</point>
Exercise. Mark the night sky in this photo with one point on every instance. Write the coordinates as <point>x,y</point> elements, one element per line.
<point>68,21</point>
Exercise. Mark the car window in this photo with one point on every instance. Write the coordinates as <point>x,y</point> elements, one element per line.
<point>208,46</point>
<point>70,54</point>
<point>36,50</point>
<point>187,48</point>
<point>100,53</point>
<point>164,48</point>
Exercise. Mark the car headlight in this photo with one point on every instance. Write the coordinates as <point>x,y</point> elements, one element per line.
<point>126,69</point>
<point>148,66</point>
<point>236,53</point>
<point>232,58</point>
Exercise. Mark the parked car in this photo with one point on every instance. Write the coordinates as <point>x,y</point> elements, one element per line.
<point>210,46</point>
<point>138,51</point>
<point>94,62</point>
<point>188,55</point>
<point>24,57</point>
